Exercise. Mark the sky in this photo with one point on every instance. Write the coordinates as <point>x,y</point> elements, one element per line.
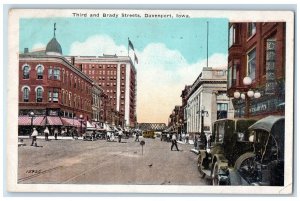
<point>171,52</point>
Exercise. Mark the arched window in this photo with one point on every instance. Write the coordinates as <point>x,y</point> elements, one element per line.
<point>39,94</point>
<point>40,71</point>
<point>26,70</point>
<point>26,90</point>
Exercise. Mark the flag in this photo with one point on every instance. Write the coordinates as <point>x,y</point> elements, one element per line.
<point>130,44</point>
<point>136,59</point>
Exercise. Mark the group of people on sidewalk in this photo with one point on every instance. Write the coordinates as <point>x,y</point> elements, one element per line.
<point>46,132</point>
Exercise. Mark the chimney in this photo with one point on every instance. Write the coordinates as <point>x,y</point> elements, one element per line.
<point>26,50</point>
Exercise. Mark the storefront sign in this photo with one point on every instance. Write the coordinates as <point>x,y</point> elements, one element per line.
<point>270,67</point>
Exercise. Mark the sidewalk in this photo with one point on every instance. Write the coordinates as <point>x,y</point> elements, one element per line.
<point>190,142</point>
<point>181,142</point>
<point>51,137</point>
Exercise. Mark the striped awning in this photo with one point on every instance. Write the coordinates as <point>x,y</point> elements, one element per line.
<point>71,122</point>
<point>89,126</point>
<point>54,121</point>
<point>26,121</point>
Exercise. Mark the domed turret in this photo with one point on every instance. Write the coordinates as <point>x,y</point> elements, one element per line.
<point>53,47</point>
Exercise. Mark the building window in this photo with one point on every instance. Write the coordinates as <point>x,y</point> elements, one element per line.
<point>251,64</point>
<point>229,77</point>
<point>49,96</point>
<point>55,95</point>
<point>50,72</point>
<point>251,29</point>
<point>40,71</point>
<point>26,70</point>
<point>56,74</point>
<point>62,97</point>
<point>25,94</point>
<point>222,109</point>
<point>39,94</point>
<point>232,36</point>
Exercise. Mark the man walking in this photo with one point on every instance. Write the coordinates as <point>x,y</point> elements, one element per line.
<point>34,135</point>
<point>46,132</point>
<point>137,137</point>
<point>174,142</point>
<point>55,133</point>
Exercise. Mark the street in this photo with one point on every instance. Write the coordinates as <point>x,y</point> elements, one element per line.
<point>101,162</point>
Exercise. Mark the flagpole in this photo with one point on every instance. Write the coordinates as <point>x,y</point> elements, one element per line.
<point>207,45</point>
<point>128,46</point>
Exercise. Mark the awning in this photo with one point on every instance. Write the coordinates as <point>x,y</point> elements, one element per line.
<point>54,121</point>
<point>26,121</point>
<point>98,128</point>
<point>71,122</point>
<point>89,126</point>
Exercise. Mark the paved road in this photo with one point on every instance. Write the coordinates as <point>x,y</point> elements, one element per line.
<point>101,162</point>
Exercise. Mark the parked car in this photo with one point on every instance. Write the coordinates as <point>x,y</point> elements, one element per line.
<point>266,166</point>
<point>228,145</point>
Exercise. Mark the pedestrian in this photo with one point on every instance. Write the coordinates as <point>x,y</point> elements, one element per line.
<point>137,137</point>
<point>93,135</point>
<point>34,135</point>
<point>55,133</point>
<point>108,136</point>
<point>119,136</point>
<point>63,132</point>
<point>187,138</point>
<point>174,143</point>
<point>168,137</point>
<point>183,137</point>
<point>46,132</point>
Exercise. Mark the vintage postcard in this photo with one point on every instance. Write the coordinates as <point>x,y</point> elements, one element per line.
<point>150,101</point>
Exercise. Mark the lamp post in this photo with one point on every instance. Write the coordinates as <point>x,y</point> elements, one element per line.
<point>247,94</point>
<point>81,120</point>
<point>203,140</point>
<point>203,114</point>
<point>31,115</point>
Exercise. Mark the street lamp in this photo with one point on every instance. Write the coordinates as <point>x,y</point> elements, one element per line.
<point>247,93</point>
<point>81,120</point>
<point>203,114</point>
<point>31,115</point>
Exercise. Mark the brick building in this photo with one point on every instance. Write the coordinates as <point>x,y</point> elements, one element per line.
<point>257,50</point>
<point>116,75</point>
<point>51,87</point>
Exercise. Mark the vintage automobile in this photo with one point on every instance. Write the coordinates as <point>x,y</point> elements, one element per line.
<point>266,164</point>
<point>228,144</point>
<point>148,134</point>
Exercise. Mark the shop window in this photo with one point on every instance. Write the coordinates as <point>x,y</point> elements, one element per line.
<point>222,110</point>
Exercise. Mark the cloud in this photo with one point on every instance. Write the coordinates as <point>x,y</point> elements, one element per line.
<point>162,74</point>
<point>96,45</point>
<point>37,46</point>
